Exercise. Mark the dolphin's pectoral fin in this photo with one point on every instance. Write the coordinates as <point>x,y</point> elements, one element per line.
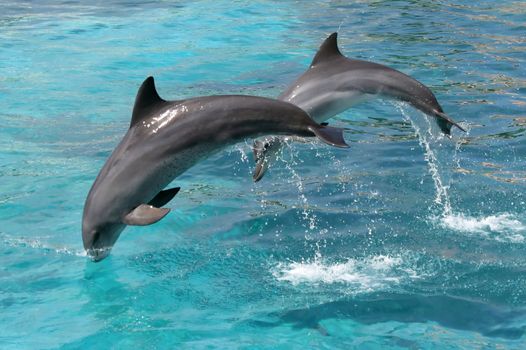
<point>330,135</point>
<point>259,149</point>
<point>164,197</point>
<point>259,170</point>
<point>144,215</point>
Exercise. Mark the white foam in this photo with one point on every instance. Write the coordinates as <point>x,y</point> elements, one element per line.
<point>502,227</point>
<point>367,274</point>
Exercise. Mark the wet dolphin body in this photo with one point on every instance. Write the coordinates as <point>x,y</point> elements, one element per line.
<point>165,139</point>
<point>333,83</point>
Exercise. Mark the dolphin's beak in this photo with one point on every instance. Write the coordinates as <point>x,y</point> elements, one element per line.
<point>98,254</point>
<point>99,242</point>
<point>94,249</point>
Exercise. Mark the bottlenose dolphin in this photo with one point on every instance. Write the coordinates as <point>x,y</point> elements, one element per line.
<point>333,83</point>
<point>166,138</point>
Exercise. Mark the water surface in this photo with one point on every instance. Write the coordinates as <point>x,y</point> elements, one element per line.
<point>406,240</point>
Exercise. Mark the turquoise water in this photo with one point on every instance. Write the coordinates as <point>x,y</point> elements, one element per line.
<point>407,240</point>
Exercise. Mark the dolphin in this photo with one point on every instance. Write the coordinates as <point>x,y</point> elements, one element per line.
<point>166,138</point>
<point>333,83</point>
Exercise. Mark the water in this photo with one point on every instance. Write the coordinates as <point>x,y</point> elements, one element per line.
<point>406,240</point>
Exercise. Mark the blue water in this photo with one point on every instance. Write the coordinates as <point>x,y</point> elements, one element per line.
<point>407,240</point>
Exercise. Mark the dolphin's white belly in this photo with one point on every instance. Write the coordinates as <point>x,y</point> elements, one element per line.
<point>323,100</point>
<point>157,170</point>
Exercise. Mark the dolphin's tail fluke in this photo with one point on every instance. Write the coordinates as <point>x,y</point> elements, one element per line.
<point>329,135</point>
<point>433,109</point>
<point>445,122</point>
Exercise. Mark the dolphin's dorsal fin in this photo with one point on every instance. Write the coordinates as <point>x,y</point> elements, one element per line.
<point>329,49</point>
<point>147,98</point>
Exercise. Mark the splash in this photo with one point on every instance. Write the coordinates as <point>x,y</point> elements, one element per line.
<point>368,274</point>
<point>502,227</point>
<point>424,139</point>
<point>242,151</point>
<point>23,242</point>
<point>308,215</point>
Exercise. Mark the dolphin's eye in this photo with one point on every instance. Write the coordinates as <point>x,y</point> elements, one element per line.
<point>96,236</point>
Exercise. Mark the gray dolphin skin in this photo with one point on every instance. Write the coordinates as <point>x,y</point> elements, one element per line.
<point>166,138</point>
<point>333,83</point>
